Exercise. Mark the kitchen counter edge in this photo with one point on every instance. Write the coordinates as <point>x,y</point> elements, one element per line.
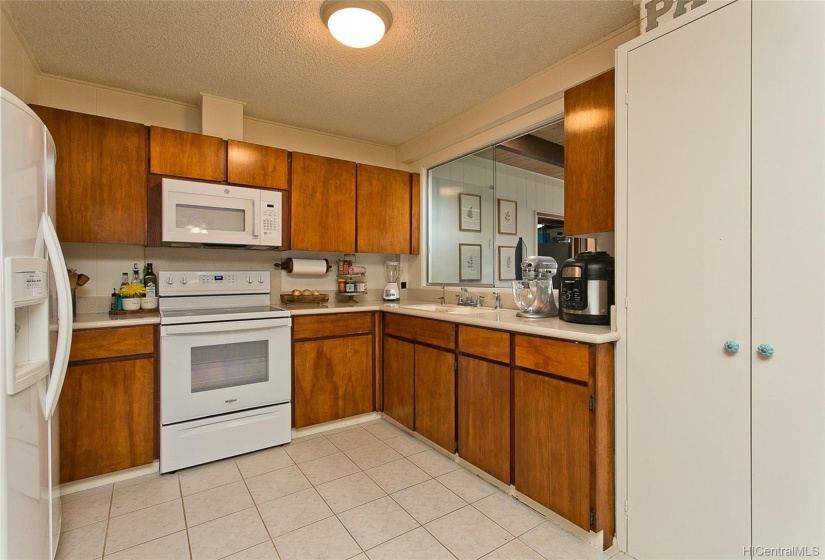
<point>504,319</point>
<point>86,321</point>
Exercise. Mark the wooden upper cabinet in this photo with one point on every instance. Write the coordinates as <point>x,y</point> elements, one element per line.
<point>322,204</point>
<point>186,154</point>
<point>415,226</point>
<point>258,166</point>
<point>384,210</point>
<point>589,156</point>
<point>100,177</point>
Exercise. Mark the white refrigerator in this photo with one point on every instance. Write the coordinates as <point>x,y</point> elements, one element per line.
<point>35,336</point>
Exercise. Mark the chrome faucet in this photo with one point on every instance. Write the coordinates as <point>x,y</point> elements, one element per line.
<point>498,300</point>
<point>443,298</point>
<point>464,298</point>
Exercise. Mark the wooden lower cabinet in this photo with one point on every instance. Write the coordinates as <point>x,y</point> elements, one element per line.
<point>333,379</point>
<point>563,429</point>
<point>484,415</point>
<point>399,357</point>
<point>435,396</point>
<point>107,415</point>
<point>333,367</point>
<point>552,444</point>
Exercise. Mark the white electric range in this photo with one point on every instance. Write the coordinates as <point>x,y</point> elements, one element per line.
<point>225,367</point>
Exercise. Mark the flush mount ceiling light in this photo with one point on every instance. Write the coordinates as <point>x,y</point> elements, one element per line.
<point>356,23</point>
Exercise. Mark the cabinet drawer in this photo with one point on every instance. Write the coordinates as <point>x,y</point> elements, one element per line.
<point>485,343</point>
<point>95,344</point>
<point>568,359</point>
<point>324,326</point>
<point>437,333</point>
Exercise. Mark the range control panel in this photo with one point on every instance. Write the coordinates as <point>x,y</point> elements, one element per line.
<point>195,283</point>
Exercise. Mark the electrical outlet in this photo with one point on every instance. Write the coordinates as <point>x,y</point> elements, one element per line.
<point>403,285</point>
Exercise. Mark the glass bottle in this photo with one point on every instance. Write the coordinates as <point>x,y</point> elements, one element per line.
<point>136,275</point>
<point>150,281</point>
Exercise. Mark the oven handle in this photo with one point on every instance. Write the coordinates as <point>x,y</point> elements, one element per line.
<point>198,328</point>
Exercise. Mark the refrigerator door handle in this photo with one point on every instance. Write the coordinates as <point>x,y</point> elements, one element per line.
<point>48,236</point>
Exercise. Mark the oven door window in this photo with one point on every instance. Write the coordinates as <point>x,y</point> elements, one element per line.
<point>229,365</point>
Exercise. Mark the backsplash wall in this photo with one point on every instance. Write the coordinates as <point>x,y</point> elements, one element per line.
<point>104,264</point>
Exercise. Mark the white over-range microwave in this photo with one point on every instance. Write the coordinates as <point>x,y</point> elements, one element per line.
<point>195,213</point>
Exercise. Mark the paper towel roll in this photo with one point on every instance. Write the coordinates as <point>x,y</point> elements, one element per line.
<point>307,267</point>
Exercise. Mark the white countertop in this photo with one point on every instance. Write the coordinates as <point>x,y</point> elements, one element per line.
<point>502,319</point>
<point>85,321</point>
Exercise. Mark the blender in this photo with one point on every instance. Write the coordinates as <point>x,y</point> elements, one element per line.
<point>392,270</point>
<point>534,293</point>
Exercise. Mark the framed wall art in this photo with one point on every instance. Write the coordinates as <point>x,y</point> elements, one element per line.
<point>469,262</point>
<point>469,207</point>
<point>507,216</point>
<point>507,263</point>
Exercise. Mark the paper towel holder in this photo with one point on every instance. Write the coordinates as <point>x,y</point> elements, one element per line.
<point>287,265</point>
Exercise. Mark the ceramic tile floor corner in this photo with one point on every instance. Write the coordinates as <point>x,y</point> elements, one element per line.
<point>364,492</point>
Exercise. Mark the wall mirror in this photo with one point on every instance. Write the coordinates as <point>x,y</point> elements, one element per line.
<point>482,203</point>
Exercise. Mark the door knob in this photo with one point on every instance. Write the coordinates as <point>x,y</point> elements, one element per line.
<point>765,350</point>
<point>732,346</point>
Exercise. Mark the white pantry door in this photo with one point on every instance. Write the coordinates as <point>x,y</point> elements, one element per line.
<point>688,289</point>
<point>789,274</point>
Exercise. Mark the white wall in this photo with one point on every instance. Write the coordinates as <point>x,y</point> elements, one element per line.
<point>17,71</point>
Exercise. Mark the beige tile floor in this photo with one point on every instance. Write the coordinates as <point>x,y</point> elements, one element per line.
<point>362,492</point>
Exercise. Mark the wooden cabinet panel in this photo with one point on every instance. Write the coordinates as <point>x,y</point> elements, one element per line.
<point>399,357</point>
<point>552,431</point>
<point>111,343</point>
<point>384,210</point>
<point>259,166</point>
<point>530,432</point>
<point>331,325</point>
<point>333,379</point>
<point>428,331</point>
<point>589,156</point>
<point>100,177</point>
<point>485,343</point>
<point>435,396</point>
<point>186,154</point>
<point>567,359</point>
<point>484,415</point>
<point>322,204</point>
<point>106,418</point>
<point>415,213</point>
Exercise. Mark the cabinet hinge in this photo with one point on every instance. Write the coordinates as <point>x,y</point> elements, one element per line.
<point>455,365</point>
<point>592,403</point>
<point>626,303</point>
<point>627,99</point>
<point>625,506</point>
<point>592,519</point>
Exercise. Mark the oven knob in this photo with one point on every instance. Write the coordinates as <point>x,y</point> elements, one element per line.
<point>170,280</point>
<point>183,280</point>
<point>248,279</point>
<point>260,279</point>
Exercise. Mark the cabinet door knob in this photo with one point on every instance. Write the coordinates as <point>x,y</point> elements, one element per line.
<point>765,350</point>
<point>732,346</point>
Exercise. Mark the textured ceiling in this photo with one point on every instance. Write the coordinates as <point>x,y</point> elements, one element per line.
<point>438,59</point>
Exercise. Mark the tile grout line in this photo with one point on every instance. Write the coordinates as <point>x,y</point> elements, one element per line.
<point>108,519</point>
<point>258,511</point>
<point>185,522</point>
